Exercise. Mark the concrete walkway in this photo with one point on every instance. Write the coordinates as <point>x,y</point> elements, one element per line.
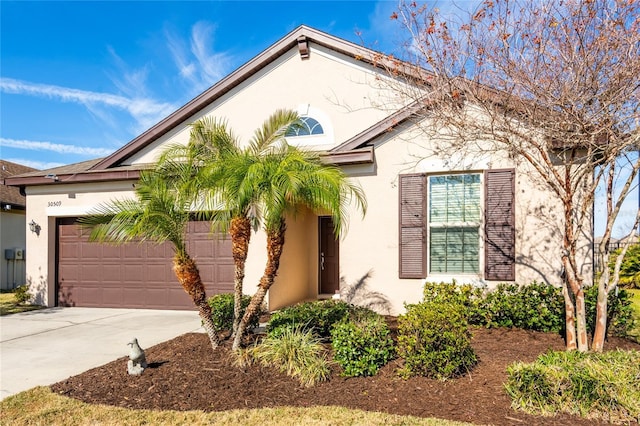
<point>46,346</point>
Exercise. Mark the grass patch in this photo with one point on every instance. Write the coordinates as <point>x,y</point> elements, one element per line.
<point>601,386</point>
<point>39,406</point>
<point>9,305</point>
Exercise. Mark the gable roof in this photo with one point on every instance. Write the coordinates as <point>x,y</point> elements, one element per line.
<point>299,37</point>
<point>10,196</point>
<point>352,151</point>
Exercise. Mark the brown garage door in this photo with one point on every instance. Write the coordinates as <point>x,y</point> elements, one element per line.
<point>136,275</point>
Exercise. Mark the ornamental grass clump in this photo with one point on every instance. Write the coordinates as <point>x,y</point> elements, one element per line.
<point>361,347</point>
<point>295,352</point>
<point>434,341</point>
<point>604,386</point>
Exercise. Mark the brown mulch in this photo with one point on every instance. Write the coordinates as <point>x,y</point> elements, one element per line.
<point>185,374</point>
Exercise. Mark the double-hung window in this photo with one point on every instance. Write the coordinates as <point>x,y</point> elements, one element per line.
<point>440,224</point>
<point>454,217</point>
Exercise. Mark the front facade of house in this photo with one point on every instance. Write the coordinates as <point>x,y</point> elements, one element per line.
<point>478,222</point>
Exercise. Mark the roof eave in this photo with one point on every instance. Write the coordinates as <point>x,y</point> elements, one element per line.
<point>102,176</point>
<point>348,158</point>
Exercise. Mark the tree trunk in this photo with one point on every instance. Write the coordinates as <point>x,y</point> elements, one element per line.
<point>188,275</point>
<point>240,231</point>
<point>600,330</point>
<point>573,285</point>
<point>581,321</point>
<point>571,342</point>
<point>275,243</point>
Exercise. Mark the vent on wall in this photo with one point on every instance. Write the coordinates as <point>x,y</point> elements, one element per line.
<point>303,47</point>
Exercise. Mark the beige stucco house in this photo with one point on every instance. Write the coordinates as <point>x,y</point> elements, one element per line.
<point>425,220</point>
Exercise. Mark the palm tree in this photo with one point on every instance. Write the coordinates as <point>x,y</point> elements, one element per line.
<point>287,179</point>
<point>221,181</point>
<point>227,178</point>
<point>159,213</point>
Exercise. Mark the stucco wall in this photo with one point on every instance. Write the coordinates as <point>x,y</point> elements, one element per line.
<point>372,243</point>
<point>12,230</point>
<point>339,87</point>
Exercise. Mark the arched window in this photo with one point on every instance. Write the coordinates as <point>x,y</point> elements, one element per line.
<point>308,126</point>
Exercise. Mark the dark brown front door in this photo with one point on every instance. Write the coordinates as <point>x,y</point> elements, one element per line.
<point>329,258</point>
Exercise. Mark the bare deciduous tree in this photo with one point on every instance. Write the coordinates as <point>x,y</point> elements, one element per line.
<point>551,83</point>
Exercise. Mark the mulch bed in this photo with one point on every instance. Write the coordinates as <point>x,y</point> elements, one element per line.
<point>185,374</point>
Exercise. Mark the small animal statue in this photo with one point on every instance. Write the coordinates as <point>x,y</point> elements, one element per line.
<point>137,361</point>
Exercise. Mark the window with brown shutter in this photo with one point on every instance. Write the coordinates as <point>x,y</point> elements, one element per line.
<point>500,225</point>
<point>413,226</point>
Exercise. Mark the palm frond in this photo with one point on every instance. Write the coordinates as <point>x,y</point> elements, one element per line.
<point>273,131</point>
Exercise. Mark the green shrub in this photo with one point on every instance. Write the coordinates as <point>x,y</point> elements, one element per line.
<point>22,294</point>
<point>595,385</point>
<point>464,294</point>
<point>361,347</point>
<point>434,341</point>
<point>317,317</point>
<point>296,352</point>
<point>222,311</point>
<point>536,306</point>
<point>620,320</point>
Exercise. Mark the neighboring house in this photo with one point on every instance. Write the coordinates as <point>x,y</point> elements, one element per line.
<point>479,222</point>
<point>12,228</point>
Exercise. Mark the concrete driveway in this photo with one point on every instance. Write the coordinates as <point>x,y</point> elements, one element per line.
<point>46,346</point>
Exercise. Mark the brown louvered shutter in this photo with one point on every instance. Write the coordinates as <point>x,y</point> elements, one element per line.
<point>413,226</point>
<point>500,236</point>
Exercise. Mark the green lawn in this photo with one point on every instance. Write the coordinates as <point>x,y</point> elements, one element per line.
<point>39,406</point>
<point>8,305</point>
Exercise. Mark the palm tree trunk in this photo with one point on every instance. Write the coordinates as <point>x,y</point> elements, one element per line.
<point>240,231</point>
<point>188,275</point>
<point>275,243</point>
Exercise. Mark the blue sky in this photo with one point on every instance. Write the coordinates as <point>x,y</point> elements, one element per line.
<point>80,79</point>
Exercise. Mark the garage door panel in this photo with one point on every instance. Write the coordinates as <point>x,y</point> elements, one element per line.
<point>112,296</point>
<point>136,275</point>
<point>223,247</point>
<point>135,294</point>
<point>157,251</point>
<point>90,250</point>
<point>110,273</point>
<point>204,249</point>
<point>157,273</point>
<point>69,249</point>
<point>179,298</point>
<point>133,273</point>
<point>133,251</point>
<point>109,252</point>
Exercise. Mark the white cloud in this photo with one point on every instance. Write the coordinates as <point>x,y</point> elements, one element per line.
<point>195,61</point>
<point>40,165</point>
<point>144,110</point>
<point>54,147</point>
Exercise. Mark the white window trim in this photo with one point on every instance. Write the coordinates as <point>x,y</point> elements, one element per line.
<point>327,138</point>
<point>458,276</point>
